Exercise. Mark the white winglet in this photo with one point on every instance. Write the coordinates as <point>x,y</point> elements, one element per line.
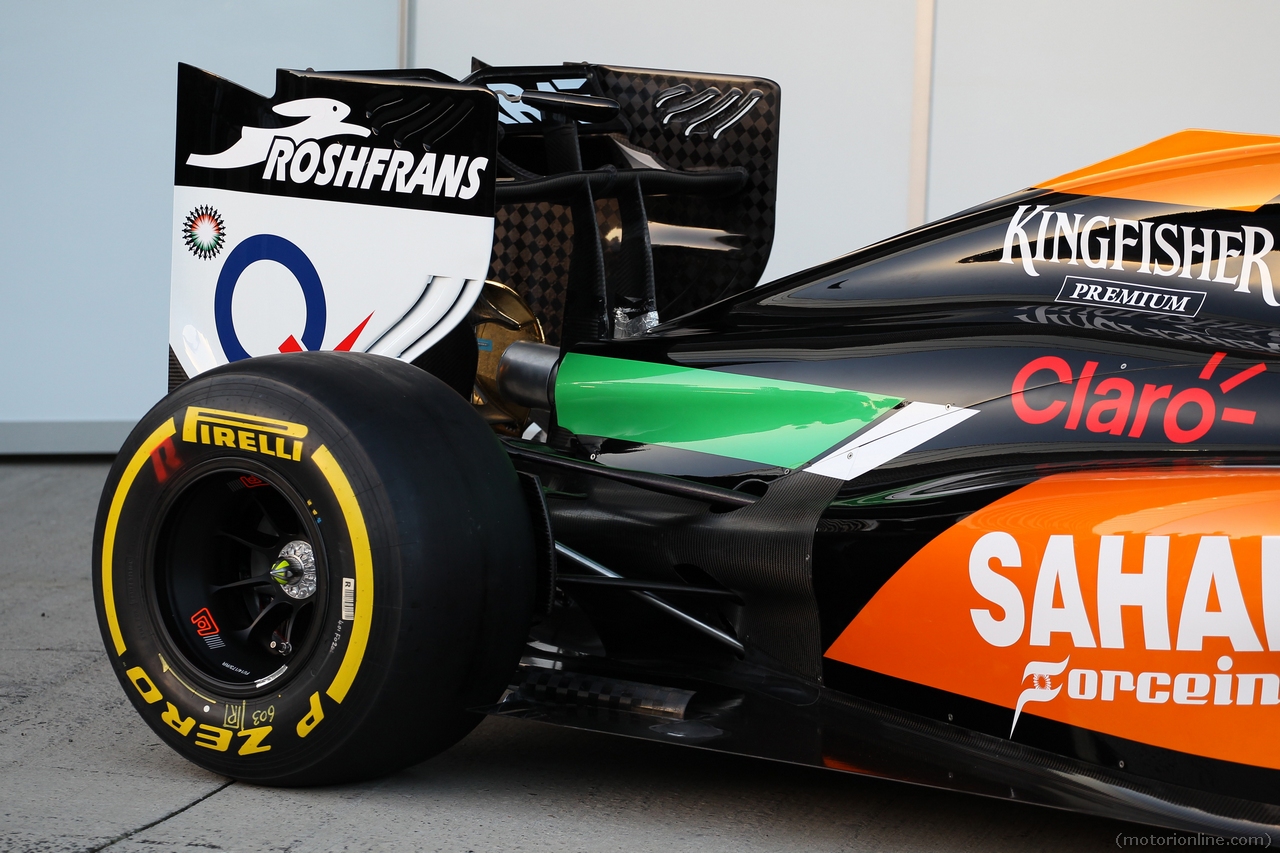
<point>906,429</point>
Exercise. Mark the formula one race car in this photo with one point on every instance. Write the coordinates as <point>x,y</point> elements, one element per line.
<point>993,505</point>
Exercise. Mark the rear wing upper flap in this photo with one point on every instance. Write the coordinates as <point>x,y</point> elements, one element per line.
<point>224,129</point>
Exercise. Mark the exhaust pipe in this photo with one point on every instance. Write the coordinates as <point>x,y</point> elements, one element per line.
<point>527,374</point>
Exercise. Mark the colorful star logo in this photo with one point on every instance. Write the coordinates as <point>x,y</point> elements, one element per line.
<point>204,232</point>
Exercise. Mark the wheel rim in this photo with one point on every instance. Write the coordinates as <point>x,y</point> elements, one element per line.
<point>238,578</point>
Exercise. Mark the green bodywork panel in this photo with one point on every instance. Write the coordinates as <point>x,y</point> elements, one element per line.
<point>767,421</point>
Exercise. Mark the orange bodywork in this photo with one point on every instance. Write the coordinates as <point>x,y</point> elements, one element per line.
<point>1180,656</point>
<point>1196,168</point>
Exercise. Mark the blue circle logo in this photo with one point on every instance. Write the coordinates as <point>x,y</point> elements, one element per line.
<point>268,247</point>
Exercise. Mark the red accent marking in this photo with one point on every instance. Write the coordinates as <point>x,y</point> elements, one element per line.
<point>1238,416</point>
<point>1082,389</point>
<point>1203,401</point>
<point>1150,396</point>
<point>350,340</point>
<point>291,345</point>
<point>1242,377</point>
<point>251,482</point>
<point>164,458</point>
<point>203,620</point>
<point>1026,414</point>
<point>1207,373</point>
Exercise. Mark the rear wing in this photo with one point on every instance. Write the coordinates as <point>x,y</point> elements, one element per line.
<point>364,210</point>
<point>346,212</point>
<point>683,185</point>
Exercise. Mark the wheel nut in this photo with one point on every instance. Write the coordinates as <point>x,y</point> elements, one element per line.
<point>295,569</point>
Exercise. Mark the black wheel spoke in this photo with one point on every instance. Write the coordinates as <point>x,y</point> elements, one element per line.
<point>288,625</point>
<point>282,639</point>
<point>261,618</point>
<point>270,548</point>
<point>237,574</point>
<point>256,580</point>
<point>279,523</point>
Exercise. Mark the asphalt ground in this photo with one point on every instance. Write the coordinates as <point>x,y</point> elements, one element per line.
<point>79,770</point>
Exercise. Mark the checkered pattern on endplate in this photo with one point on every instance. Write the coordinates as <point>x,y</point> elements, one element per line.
<point>532,242</point>
<point>690,278</point>
<point>531,248</point>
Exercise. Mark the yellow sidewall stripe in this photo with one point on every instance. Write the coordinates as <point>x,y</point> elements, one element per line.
<point>165,430</point>
<point>364,572</point>
<point>356,530</point>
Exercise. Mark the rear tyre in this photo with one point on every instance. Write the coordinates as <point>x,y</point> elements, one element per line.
<point>308,567</point>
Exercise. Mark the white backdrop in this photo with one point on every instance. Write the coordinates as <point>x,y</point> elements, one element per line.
<point>1024,92</point>
<point>844,68</point>
<point>87,94</point>
<point>1020,92</point>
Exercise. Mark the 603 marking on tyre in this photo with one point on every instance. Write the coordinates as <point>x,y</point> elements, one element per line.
<point>211,722</point>
<point>247,572</point>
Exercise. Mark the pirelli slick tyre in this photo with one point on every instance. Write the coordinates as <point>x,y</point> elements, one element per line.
<point>308,567</point>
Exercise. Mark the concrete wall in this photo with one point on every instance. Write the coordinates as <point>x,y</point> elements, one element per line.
<point>1020,92</point>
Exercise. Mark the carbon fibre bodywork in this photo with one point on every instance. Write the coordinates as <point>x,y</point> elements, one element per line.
<point>1138,423</point>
